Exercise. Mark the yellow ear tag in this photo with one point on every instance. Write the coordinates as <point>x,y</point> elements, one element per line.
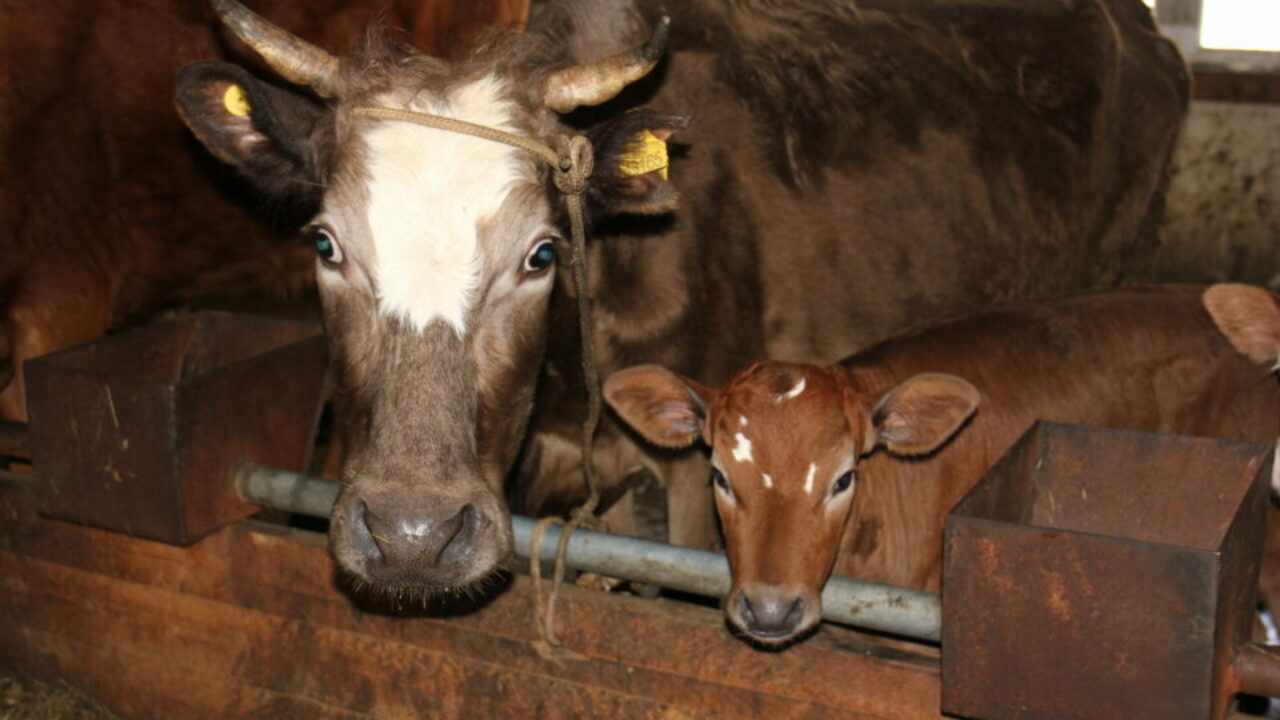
<point>647,153</point>
<point>235,101</point>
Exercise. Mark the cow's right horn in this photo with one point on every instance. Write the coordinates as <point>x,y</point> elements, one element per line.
<point>594,83</point>
<point>293,58</point>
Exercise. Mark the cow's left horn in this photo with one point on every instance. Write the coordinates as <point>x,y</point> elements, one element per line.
<point>293,58</point>
<point>594,83</point>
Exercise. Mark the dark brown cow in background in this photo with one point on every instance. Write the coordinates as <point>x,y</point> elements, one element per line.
<point>849,170</point>
<point>107,209</point>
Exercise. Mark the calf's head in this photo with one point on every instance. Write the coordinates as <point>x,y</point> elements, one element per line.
<point>785,441</point>
<point>436,258</point>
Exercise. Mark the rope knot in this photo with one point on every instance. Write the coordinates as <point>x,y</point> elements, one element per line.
<point>576,164</point>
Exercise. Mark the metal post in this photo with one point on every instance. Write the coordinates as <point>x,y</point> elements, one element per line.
<point>910,613</point>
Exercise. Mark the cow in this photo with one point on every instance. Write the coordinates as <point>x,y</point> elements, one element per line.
<point>846,171</point>
<point>110,214</point>
<point>848,466</point>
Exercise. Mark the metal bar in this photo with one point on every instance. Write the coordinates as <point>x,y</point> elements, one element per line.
<point>884,608</point>
<point>13,439</point>
<point>1257,668</point>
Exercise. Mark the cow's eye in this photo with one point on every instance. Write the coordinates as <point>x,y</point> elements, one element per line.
<point>541,256</point>
<point>326,244</point>
<point>719,479</point>
<point>844,482</point>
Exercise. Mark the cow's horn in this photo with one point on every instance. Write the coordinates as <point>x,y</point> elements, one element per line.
<point>293,58</point>
<point>594,83</point>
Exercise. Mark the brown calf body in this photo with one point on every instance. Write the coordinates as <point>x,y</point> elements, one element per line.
<point>1143,359</point>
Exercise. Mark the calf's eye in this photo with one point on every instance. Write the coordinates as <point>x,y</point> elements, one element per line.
<point>844,482</point>
<point>719,479</point>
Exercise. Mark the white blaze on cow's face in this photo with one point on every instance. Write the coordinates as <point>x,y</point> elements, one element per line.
<point>420,212</point>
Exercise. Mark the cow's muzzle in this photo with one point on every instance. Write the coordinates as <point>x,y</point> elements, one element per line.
<point>397,540</point>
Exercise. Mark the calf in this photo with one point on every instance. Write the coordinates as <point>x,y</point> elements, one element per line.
<point>849,466</point>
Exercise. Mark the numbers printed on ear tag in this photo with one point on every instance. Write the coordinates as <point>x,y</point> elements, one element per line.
<point>647,154</point>
<point>235,101</point>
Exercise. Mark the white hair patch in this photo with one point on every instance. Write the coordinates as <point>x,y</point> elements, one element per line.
<point>429,191</point>
<point>799,388</point>
<point>808,479</point>
<point>768,481</point>
<point>741,448</point>
<point>742,421</point>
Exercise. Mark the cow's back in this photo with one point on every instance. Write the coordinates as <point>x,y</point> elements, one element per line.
<point>1142,359</point>
<point>849,172</point>
<point>858,171</point>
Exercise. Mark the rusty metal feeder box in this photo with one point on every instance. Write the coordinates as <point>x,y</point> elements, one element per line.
<point>138,432</point>
<point>1099,573</point>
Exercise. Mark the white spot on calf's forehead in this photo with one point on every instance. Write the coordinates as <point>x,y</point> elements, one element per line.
<point>768,481</point>
<point>428,191</point>
<point>742,421</point>
<point>808,479</point>
<point>741,448</point>
<point>799,388</point>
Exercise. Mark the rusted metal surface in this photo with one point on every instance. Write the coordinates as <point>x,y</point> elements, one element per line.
<point>884,608</point>
<point>138,432</point>
<point>13,439</point>
<point>1103,574</point>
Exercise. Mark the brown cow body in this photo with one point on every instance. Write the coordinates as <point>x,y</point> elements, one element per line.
<point>848,171</point>
<point>849,174</point>
<point>1143,359</point>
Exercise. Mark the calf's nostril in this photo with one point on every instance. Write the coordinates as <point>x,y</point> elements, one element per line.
<point>744,609</point>
<point>795,615</point>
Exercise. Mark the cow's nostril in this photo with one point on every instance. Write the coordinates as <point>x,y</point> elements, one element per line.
<point>459,543</point>
<point>362,535</point>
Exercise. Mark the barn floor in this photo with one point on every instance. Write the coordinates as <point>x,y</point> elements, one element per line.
<point>33,700</point>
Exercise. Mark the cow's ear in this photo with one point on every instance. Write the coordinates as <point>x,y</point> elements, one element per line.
<point>1250,318</point>
<point>267,133</point>
<point>919,415</point>
<point>632,164</point>
<point>666,409</point>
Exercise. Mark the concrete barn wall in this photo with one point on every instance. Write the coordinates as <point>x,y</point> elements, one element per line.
<point>1222,211</point>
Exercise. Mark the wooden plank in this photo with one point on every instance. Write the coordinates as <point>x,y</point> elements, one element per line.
<point>255,616</point>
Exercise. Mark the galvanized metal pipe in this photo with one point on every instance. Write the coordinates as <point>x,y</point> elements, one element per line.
<point>910,613</point>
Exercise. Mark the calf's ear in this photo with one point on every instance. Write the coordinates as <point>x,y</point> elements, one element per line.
<point>666,409</point>
<point>1250,318</point>
<point>632,164</point>
<point>269,134</point>
<point>919,415</point>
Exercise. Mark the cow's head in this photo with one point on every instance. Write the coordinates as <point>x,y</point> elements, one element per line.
<point>785,440</point>
<point>437,253</point>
